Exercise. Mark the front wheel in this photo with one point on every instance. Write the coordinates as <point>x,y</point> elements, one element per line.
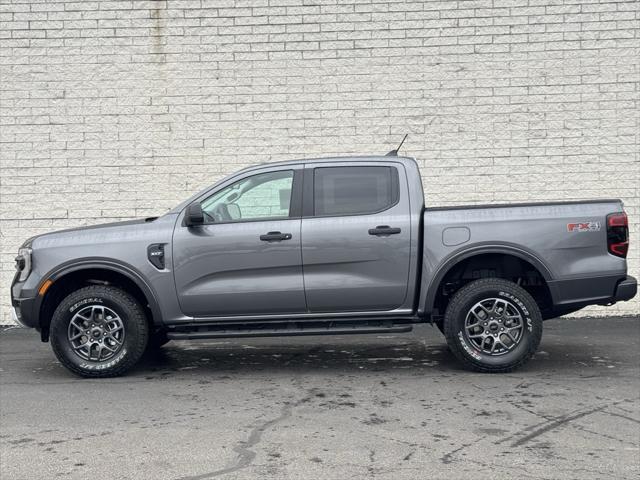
<point>99,331</point>
<point>493,325</point>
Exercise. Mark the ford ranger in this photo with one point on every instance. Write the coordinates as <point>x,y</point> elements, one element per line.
<point>316,247</point>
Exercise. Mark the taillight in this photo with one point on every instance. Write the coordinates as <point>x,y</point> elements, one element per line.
<point>618,234</point>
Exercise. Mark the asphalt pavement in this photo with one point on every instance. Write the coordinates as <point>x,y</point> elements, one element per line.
<point>350,407</point>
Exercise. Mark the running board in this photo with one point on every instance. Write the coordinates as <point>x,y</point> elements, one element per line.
<point>285,329</point>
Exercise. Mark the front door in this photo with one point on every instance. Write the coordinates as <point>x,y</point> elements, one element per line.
<point>246,258</point>
<point>356,234</point>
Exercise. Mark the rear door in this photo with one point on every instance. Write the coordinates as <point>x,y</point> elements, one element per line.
<point>356,233</point>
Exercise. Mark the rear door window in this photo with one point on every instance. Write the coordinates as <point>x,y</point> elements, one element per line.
<point>354,190</point>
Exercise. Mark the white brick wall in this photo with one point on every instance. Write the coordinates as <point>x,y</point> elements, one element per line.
<point>112,110</point>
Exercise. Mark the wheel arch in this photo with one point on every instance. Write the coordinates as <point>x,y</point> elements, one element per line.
<point>70,276</point>
<point>460,258</point>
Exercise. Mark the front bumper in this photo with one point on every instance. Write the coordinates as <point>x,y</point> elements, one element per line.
<point>626,289</point>
<point>25,311</point>
<point>26,305</point>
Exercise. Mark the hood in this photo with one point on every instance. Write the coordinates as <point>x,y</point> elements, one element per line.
<point>99,226</point>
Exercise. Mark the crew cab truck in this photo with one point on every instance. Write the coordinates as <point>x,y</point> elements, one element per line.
<point>315,247</point>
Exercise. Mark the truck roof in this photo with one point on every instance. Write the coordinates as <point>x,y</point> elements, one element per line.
<point>353,158</point>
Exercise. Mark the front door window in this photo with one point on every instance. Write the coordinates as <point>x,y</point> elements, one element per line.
<point>258,197</point>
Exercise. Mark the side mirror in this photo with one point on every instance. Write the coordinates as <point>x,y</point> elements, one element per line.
<point>194,215</point>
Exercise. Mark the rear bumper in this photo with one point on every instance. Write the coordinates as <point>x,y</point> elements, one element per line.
<point>574,294</point>
<point>626,289</point>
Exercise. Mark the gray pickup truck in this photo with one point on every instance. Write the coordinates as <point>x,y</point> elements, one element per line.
<point>316,247</point>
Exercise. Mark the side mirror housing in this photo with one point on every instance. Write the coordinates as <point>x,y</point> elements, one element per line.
<point>194,215</point>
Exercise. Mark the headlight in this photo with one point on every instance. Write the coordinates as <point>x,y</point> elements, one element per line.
<point>23,263</point>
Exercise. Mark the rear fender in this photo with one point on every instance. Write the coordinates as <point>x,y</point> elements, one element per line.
<point>428,297</point>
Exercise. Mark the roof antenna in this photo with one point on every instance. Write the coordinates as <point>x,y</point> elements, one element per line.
<point>394,153</point>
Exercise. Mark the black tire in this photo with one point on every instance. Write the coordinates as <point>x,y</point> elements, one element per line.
<point>468,352</point>
<point>136,331</point>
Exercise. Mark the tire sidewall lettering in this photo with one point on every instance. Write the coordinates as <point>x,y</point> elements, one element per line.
<point>104,365</point>
<point>467,348</point>
<point>521,306</point>
<point>84,302</point>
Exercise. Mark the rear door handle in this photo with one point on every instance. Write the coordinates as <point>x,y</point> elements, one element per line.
<point>275,237</point>
<point>384,230</point>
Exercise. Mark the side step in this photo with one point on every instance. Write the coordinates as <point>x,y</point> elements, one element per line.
<point>281,329</point>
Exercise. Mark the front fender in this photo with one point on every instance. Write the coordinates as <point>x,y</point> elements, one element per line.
<point>57,274</point>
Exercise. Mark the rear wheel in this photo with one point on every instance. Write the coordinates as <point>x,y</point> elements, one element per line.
<point>99,331</point>
<point>493,325</point>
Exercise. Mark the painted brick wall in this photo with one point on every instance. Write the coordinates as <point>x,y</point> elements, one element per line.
<point>118,109</point>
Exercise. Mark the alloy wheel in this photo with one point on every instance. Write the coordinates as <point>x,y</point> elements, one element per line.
<point>494,326</point>
<point>96,333</point>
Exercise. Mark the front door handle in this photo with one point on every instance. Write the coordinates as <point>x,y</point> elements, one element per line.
<point>381,230</point>
<point>275,237</point>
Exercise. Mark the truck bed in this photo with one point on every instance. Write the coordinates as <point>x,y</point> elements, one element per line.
<point>566,242</point>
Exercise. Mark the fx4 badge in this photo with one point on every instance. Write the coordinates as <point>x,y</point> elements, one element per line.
<point>583,227</point>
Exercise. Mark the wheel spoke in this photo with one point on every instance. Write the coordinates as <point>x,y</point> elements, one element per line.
<point>89,351</point>
<point>504,345</point>
<point>75,323</point>
<point>499,307</point>
<point>111,337</point>
<point>82,345</point>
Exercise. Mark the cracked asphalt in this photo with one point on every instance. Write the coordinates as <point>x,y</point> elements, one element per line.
<point>357,407</point>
